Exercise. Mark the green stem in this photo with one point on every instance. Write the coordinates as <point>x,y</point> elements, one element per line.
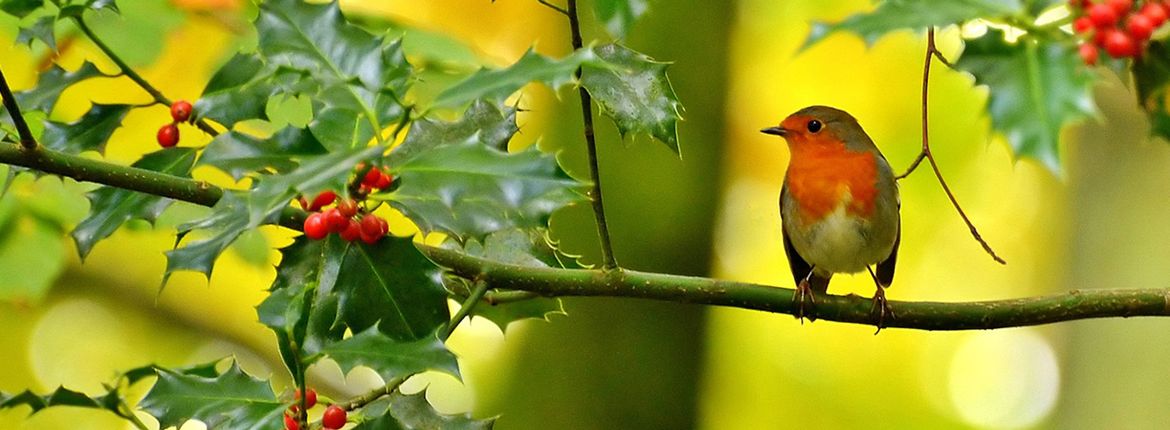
<point>551,282</point>
<point>374,394</point>
<point>130,73</point>
<point>481,288</point>
<point>607,257</point>
<point>26,138</point>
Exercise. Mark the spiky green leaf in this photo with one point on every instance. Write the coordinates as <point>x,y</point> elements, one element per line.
<point>414,412</point>
<point>232,400</point>
<point>42,30</point>
<point>635,92</point>
<point>239,154</point>
<point>110,207</point>
<point>238,91</point>
<point>90,133</point>
<point>390,357</point>
<point>390,284</point>
<point>498,84</point>
<point>891,15</point>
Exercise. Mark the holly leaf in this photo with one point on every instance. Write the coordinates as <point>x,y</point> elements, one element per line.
<point>522,247</point>
<point>491,124</point>
<point>1035,88</point>
<point>345,116</point>
<point>498,84</point>
<point>110,207</point>
<point>42,30</point>
<point>619,15</point>
<point>228,219</point>
<point>392,285</point>
<point>238,91</point>
<point>300,303</point>
<point>43,97</point>
<point>1151,74</point>
<point>21,8</point>
<point>468,189</point>
<point>635,92</point>
<point>231,400</point>
<point>90,133</point>
<point>239,154</point>
<point>917,15</point>
<point>414,412</point>
<point>59,397</point>
<point>390,357</point>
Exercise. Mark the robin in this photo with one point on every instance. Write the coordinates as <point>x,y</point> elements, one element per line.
<point>838,206</point>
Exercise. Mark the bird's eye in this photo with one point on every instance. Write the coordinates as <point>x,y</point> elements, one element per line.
<point>814,126</point>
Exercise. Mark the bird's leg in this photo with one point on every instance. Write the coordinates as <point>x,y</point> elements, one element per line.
<point>803,289</point>
<point>881,306</point>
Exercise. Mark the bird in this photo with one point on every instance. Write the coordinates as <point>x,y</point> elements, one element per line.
<point>839,206</point>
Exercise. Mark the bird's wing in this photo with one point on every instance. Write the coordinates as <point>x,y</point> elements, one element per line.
<point>885,269</point>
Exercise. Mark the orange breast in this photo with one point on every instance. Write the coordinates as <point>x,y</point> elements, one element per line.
<point>822,175</point>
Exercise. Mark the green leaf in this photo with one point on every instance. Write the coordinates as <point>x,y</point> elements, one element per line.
<point>491,124</point>
<point>228,219</point>
<point>238,91</point>
<point>1035,88</point>
<point>90,133</point>
<point>498,84</point>
<point>342,115</point>
<point>390,284</point>
<point>239,154</point>
<point>635,92</point>
<point>110,207</point>
<point>229,401</point>
<point>916,15</point>
<point>316,173</point>
<point>619,15</point>
<point>41,30</point>
<point>392,358</point>
<point>468,189</point>
<point>300,304</point>
<point>50,84</point>
<point>1151,74</point>
<point>21,8</point>
<point>59,397</point>
<point>528,247</point>
<point>414,412</point>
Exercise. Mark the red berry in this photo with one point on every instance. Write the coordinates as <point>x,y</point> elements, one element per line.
<point>384,180</point>
<point>334,417</point>
<point>168,136</point>
<point>290,423</point>
<point>181,111</point>
<point>347,207</point>
<point>1155,12</point>
<point>373,228</point>
<point>353,231</point>
<point>1140,27</point>
<point>335,221</point>
<point>1102,15</point>
<point>1122,7</point>
<point>323,199</point>
<point>372,177</point>
<point>1082,25</point>
<point>310,399</point>
<point>1089,54</point>
<point>316,226</point>
<point>304,203</point>
<point>1119,45</point>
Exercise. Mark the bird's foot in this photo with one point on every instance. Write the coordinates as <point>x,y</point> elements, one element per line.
<point>803,291</point>
<point>881,308</point>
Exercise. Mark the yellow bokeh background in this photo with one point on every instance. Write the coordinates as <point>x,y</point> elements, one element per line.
<point>738,67</point>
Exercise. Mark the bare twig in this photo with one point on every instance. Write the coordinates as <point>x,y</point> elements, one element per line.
<point>26,138</point>
<point>562,10</point>
<point>932,52</point>
<point>477,293</point>
<point>608,260</point>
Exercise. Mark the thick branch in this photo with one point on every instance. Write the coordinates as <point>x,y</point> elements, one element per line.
<point>608,260</point>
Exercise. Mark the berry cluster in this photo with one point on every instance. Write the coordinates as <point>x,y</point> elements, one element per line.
<point>168,135</point>
<point>1120,27</point>
<point>344,218</point>
<point>333,418</point>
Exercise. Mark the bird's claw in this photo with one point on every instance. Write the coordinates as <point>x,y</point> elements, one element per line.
<point>881,308</point>
<point>803,290</point>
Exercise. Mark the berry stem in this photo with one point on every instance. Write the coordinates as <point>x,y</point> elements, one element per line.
<point>133,75</point>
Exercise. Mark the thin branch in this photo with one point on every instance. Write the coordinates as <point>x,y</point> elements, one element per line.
<point>562,10</point>
<point>548,282</point>
<point>931,53</point>
<point>134,76</point>
<point>26,138</point>
<point>607,257</point>
<point>375,394</point>
<point>477,293</point>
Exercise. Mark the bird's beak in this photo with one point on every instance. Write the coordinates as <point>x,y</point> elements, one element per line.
<point>779,131</point>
